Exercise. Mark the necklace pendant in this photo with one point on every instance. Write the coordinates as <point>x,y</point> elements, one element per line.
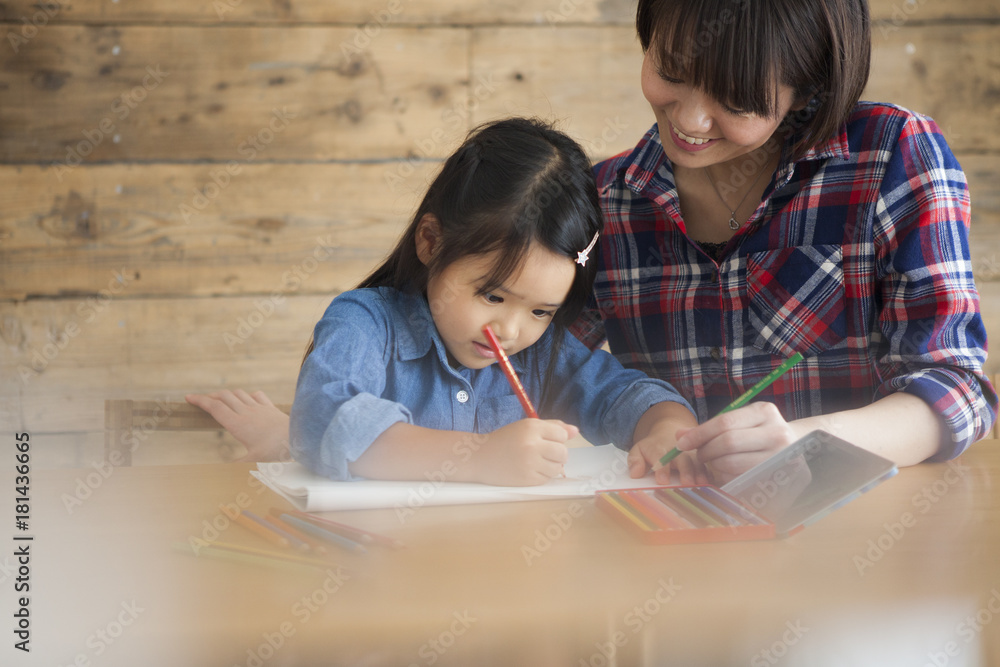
<point>733,225</point>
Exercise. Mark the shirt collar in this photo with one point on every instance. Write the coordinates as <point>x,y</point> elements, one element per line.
<point>415,330</point>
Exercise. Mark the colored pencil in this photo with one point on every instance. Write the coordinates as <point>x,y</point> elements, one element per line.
<point>745,397</point>
<point>271,553</point>
<point>281,529</point>
<point>666,514</point>
<point>702,514</point>
<point>253,559</point>
<point>256,527</point>
<point>322,533</point>
<point>350,532</point>
<point>633,514</point>
<point>709,507</point>
<point>673,503</point>
<point>733,505</point>
<point>655,512</point>
<point>313,543</point>
<point>508,370</point>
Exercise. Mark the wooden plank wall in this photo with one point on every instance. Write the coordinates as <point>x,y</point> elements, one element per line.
<point>184,185</point>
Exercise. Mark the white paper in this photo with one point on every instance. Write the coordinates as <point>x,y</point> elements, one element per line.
<point>588,470</point>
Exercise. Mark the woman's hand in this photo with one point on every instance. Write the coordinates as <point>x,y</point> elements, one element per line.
<point>731,443</point>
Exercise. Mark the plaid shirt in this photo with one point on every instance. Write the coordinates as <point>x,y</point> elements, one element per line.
<point>857,257</point>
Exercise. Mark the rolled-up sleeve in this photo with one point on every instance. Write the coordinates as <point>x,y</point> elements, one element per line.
<point>338,410</point>
<point>605,399</point>
<point>935,339</point>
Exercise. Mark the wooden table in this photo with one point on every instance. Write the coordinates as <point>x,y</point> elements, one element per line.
<point>907,574</point>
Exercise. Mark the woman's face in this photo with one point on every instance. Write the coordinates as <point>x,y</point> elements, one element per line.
<point>697,130</point>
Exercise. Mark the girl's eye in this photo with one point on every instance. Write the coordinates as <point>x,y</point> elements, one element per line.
<point>492,298</point>
<point>736,112</point>
<point>543,313</point>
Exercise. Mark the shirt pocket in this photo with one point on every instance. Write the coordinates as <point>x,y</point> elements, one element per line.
<point>496,412</point>
<point>797,299</point>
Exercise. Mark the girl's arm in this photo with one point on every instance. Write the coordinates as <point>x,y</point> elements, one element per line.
<point>524,453</point>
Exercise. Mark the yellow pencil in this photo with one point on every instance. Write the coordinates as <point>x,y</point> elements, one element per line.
<point>281,555</point>
<point>612,498</point>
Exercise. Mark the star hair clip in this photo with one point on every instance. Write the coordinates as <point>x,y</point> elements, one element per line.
<point>583,255</point>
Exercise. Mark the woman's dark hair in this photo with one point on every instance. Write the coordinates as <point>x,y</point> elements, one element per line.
<point>512,183</point>
<point>733,50</point>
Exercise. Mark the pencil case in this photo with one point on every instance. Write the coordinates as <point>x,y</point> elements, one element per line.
<point>683,515</point>
<point>793,488</point>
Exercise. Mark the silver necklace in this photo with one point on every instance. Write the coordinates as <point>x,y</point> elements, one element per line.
<point>733,225</point>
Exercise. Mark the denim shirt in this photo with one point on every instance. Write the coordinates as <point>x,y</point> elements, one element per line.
<point>378,359</point>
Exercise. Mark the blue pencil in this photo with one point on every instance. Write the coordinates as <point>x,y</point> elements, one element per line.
<point>315,530</point>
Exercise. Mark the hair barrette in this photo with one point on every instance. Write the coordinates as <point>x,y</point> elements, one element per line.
<point>583,256</point>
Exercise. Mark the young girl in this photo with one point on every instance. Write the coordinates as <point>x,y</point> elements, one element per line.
<point>769,212</point>
<point>400,371</point>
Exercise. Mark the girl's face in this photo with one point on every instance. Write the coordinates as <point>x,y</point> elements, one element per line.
<point>698,131</point>
<point>518,312</point>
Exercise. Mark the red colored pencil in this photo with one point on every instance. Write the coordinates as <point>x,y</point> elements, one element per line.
<point>508,370</point>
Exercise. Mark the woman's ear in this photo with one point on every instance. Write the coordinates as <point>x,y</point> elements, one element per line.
<point>428,238</point>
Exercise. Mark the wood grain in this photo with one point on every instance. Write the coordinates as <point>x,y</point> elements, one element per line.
<point>228,93</point>
<point>151,229</point>
<point>378,13</point>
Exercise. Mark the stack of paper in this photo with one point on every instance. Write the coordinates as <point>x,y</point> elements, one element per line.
<point>589,469</point>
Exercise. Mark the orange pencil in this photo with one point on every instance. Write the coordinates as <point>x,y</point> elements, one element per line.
<point>314,544</point>
<point>508,370</point>
<point>283,530</point>
<point>258,528</point>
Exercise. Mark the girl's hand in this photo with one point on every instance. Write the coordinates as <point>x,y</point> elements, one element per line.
<point>252,419</point>
<point>524,453</point>
<point>732,443</point>
<point>646,454</point>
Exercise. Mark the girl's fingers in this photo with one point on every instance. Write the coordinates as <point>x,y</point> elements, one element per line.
<point>554,452</point>
<point>686,466</point>
<point>262,398</point>
<point>636,461</point>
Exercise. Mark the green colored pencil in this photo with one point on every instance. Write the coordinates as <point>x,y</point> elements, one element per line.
<point>745,397</point>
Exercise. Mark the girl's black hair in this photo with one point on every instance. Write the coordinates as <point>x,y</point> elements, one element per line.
<point>512,183</point>
<point>739,51</point>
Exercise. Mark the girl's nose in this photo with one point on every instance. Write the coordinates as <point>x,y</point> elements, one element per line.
<point>505,330</point>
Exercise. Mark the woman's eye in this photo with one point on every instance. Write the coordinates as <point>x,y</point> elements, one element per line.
<point>669,79</point>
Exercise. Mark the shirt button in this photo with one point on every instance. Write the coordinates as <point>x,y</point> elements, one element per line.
<point>462,396</point>
<point>716,353</point>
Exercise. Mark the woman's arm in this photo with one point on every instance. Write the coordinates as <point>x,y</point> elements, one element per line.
<point>900,427</point>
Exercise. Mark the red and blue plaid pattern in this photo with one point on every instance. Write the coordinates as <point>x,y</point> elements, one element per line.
<point>857,257</point>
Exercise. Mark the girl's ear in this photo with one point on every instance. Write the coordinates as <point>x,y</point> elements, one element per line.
<point>428,238</point>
